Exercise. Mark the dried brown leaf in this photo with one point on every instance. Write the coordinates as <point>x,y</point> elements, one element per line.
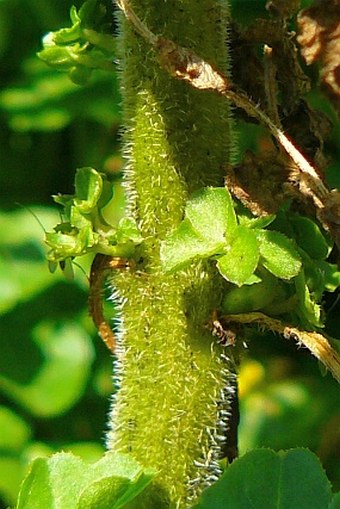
<point>319,38</point>
<point>258,182</point>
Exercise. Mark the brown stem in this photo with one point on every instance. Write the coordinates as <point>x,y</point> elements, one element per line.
<point>100,267</point>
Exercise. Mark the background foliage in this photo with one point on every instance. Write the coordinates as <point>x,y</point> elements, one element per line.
<point>55,375</point>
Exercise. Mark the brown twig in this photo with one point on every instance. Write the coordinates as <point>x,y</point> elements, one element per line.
<point>270,85</point>
<point>100,267</point>
<point>316,343</point>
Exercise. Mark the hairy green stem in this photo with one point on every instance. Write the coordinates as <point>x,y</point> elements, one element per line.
<point>170,408</point>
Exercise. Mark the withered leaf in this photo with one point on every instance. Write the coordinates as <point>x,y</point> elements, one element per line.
<point>319,38</point>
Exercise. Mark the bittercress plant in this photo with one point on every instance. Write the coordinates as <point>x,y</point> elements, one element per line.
<point>264,265</point>
<point>211,229</point>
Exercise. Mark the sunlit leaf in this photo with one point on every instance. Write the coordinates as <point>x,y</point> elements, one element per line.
<point>11,473</point>
<point>211,213</point>
<point>242,256</point>
<point>278,254</point>
<point>66,35</point>
<point>88,188</point>
<point>185,245</point>
<point>109,483</point>
<point>59,57</point>
<point>128,230</point>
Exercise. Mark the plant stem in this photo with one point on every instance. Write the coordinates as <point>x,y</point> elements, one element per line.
<point>170,408</point>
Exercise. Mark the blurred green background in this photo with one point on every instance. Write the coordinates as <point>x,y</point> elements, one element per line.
<point>55,374</point>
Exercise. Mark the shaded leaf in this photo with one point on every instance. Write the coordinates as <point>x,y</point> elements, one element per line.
<point>250,298</point>
<point>308,309</point>
<point>50,101</point>
<point>309,237</point>
<point>14,430</point>
<point>335,504</point>
<point>265,479</point>
<point>22,255</point>
<point>63,376</point>
<point>331,276</point>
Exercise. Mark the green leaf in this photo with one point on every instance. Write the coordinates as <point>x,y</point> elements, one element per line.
<point>50,101</point>
<point>67,35</point>
<point>128,230</point>
<point>112,492</point>
<point>185,245</point>
<point>23,271</point>
<point>264,479</point>
<point>335,504</point>
<point>309,237</point>
<point>211,213</point>
<point>250,297</point>
<point>74,16</point>
<point>11,473</point>
<point>262,222</point>
<point>75,243</point>
<point>15,433</point>
<point>84,228</point>
<point>59,57</point>
<point>88,188</point>
<point>89,11</point>
<point>278,254</point>
<point>209,219</point>
<point>62,378</point>
<point>80,75</point>
<point>83,43</point>
<point>308,309</point>
<point>246,218</point>
<point>79,219</point>
<point>315,275</point>
<point>242,256</point>
<point>66,482</point>
<point>331,275</point>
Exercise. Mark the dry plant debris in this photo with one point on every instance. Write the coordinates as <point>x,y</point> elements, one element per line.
<point>319,38</point>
